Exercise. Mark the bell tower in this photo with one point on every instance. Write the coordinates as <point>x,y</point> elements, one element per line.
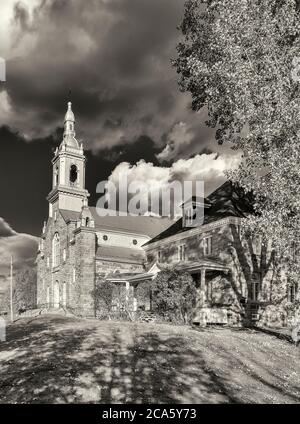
<point>68,183</point>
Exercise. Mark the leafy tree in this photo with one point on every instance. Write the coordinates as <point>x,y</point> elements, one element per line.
<point>112,299</point>
<point>25,288</point>
<point>103,297</point>
<point>174,295</point>
<point>123,300</point>
<point>240,61</point>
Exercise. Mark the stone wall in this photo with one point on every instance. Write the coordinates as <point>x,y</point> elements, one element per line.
<point>46,274</point>
<point>85,247</point>
<point>77,271</point>
<point>247,262</point>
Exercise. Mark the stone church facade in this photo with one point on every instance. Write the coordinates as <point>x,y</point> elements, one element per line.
<point>233,275</point>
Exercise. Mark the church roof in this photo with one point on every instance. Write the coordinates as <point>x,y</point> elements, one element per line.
<point>70,141</point>
<point>121,253</point>
<point>144,225</point>
<point>69,215</point>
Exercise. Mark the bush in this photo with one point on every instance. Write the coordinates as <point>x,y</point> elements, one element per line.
<point>174,296</point>
<point>112,301</point>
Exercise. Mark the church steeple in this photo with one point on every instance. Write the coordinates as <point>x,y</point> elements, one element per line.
<point>69,122</point>
<point>69,129</point>
<point>68,187</point>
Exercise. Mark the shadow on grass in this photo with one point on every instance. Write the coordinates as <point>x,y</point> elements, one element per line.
<point>63,360</point>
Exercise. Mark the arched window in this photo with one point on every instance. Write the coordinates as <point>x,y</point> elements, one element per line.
<point>55,250</point>
<point>73,174</point>
<point>87,221</point>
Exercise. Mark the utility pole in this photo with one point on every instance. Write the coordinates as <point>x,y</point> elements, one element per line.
<point>11,290</point>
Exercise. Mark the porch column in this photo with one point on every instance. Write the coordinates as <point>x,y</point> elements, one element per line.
<point>127,286</point>
<point>202,288</point>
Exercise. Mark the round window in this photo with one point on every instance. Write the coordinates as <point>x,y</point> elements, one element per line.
<point>105,238</point>
<point>134,241</point>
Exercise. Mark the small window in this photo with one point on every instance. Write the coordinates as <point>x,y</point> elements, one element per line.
<point>105,238</point>
<point>48,262</point>
<point>134,241</point>
<point>181,252</point>
<point>159,256</point>
<point>74,275</point>
<point>55,216</point>
<point>87,221</point>
<point>64,255</point>
<point>207,246</point>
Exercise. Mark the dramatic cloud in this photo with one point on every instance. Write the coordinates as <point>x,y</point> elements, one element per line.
<point>5,229</point>
<point>209,168</point>
<point>114,56</point>
<point>178,139</point>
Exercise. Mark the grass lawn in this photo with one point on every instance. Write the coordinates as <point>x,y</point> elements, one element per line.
<point>54,359</point>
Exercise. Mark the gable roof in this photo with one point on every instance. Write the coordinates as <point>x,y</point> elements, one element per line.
<point>145,225</point>
<point>227,200</point>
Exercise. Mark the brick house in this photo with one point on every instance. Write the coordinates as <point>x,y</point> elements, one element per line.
<point>233,275</point>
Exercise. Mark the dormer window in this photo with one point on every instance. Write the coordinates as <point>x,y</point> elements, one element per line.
<point>193,211</point>
<point>73,174</point>
<point>189,215</point>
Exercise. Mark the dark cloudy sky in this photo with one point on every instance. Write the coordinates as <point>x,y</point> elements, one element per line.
<point>114,55</point>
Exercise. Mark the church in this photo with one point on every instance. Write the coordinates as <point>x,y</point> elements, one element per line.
<point>233,275</point>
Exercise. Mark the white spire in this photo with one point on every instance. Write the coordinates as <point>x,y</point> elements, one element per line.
<point>69,123</point>
<point>69,128</point>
